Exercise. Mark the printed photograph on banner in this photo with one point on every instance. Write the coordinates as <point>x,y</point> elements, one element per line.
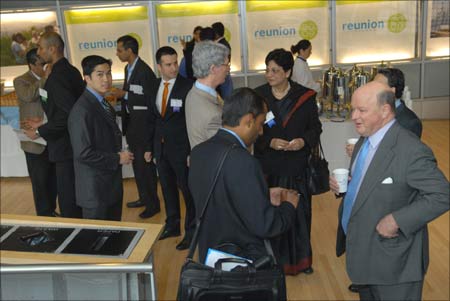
<point>95,32</point>
<point>283,24</point>
<point>177,21</point>
<point>440,19</point>
<point>20,32</point>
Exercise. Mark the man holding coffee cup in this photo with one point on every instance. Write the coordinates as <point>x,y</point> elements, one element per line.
<point>394,191</point>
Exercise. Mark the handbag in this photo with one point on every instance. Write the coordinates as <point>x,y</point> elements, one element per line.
<point>318,172</point>
<point>199,282</point>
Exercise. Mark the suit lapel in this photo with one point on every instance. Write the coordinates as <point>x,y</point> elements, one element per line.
<point>380,163</point>
<point>99,108</point>
<point>135,71</point>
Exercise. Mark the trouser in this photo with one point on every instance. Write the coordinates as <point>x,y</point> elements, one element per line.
<point>173,174</point>
<point>146,178</point>
<point>43,182</point>
<point>402,291</point>
<point>105,212</point>
<point>65,180</point>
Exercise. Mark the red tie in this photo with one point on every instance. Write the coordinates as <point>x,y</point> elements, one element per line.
<point>164,99</point>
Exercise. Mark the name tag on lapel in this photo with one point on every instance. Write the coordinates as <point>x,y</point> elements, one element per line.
<point>270,119</point>
<point>43,94</point>
<point>137,89</point>
<point>139,108</point>
<point>176,104</point>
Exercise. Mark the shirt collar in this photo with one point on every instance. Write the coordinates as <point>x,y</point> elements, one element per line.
<point>130,68</point>
<point>170,81</point>
<point>205,88</point>
<point>376,138</point>
<point>235,135</point>
<point>301,58</point>
<point>398,102</point>
<point>98,96</point>
<point>35,75</point>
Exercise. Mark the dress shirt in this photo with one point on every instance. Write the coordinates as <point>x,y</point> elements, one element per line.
<point>398,102</point>
<point>130,71</point>
<point>374,142</point>
<point>205,88</point>
<point>35,75</point>
<point>96,94</point>
<point>160,93</point>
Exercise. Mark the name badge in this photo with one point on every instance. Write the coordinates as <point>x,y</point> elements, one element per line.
<point>43,94</point>
<point>137,89</point>
<point>270,119</point>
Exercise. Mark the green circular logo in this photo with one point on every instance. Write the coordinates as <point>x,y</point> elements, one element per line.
<point>227,35</point>
<point>308,30</point>
<point>137,37</point>
<point>397,23</point>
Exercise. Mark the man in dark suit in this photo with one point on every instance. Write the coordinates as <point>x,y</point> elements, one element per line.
<point>42,172</point>
<point>62,88</point>
<point>394,191</point>
<point>395,79</point>
<point>97,142</point>
<point>240,211</point>
<point>171,144</point>
<point>135,95</point>
<point>226,87</point>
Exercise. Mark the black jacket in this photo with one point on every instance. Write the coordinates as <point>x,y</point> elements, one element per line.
<point>408,119</point>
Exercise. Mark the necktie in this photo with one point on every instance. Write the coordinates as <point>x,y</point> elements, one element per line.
<point>110,112</point>
<point>350,196</point>
<point>164,99</point>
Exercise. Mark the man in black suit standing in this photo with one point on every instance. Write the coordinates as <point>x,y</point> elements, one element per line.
<point>97,142</point>
<point>171,146</point>
<point>226,87</point>
<point>136,126</point>
<point>63,87</point>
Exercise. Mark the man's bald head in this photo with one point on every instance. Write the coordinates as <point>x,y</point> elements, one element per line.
<point>53,39</point>
<point>373,107</point>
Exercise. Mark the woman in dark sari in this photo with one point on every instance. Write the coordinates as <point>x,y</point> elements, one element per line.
<point>284,149</point>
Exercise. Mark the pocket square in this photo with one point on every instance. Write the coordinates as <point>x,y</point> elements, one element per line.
<point>387,181</point>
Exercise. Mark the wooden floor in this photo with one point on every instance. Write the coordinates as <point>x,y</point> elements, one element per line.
<point>329,280</point>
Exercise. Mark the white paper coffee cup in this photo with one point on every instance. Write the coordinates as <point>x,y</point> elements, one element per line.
<point>341,176</point>
<point>352,141</point>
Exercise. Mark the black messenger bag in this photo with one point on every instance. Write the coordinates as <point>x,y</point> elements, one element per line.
<point>262,280</point>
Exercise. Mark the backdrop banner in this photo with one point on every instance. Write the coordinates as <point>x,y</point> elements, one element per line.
<point>280,24</point>
<point>95,31</point>
<point>177,21</point>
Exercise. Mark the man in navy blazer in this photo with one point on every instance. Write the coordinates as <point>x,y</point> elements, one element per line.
<point>97,142</point>
<point>398,190</point>
<point>137,87</point>
<point>171,143</point>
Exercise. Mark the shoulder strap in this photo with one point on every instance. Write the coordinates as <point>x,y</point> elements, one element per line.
<point>302,99</point>
<point>193,244</point>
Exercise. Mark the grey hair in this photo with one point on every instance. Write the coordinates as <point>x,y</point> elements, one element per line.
<point>205,55</point>
<point>386,97</point>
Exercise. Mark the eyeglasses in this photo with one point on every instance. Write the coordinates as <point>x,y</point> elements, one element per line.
<point>273,70</point>
<point>226,64</point>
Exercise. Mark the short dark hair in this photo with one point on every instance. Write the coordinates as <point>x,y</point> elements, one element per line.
<point>219,29</point>
<point>53,39</point>
<point>165,50</point>
<point>395,78</point>
<point>197,28</point>
<point>301,45</point>
<point>241,102</point>
<point>282,58</point>
<point>207,34</point>
<point>129,42</point>
<point>91,61</point>
<point>32,56</point>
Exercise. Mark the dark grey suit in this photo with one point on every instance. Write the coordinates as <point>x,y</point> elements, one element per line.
<point>418,194</point>
<point>96,141</point>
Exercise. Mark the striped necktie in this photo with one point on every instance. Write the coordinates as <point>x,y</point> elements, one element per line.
<point>164,99</point>
<point>110,112</point>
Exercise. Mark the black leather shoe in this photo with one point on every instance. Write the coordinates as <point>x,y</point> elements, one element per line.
<point>168,232</point>
<point>308,271</point>
<point>354,288</point>
<point>184,244</point>
<point>147,213</point>
<point>135,204</point>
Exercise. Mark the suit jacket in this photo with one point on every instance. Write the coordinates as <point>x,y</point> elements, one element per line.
<point>241,216</point>
<point>96,141</point>
<point>203,116</point>
<point>135,124</point>
<point>27,90</point>
<point>408,119</point>
<point>418,194</point>
<point>64,86</point>
<point>171,128</point>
